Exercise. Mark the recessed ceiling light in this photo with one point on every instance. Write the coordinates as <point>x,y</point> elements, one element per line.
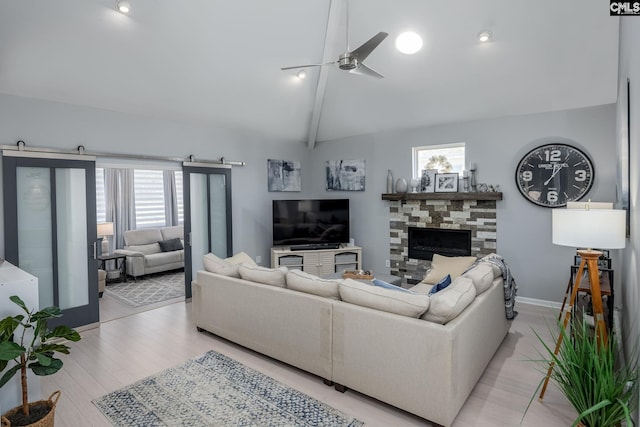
<point>123,6</point>
<point>484,36</point>
<point>301,74</point>
<point>409,43</point>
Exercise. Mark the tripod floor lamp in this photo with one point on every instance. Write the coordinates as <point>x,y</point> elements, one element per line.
<point>587,225</point>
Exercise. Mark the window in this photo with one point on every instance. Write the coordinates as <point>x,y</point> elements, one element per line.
<point>101,210</point>
<point>148,187</point>
<point>445,158</point>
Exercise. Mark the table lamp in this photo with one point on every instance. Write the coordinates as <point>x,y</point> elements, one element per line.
<point>105,229</point>
<point>587,225</point>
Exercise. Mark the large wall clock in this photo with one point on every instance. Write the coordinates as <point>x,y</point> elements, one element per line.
<point>554,174</point>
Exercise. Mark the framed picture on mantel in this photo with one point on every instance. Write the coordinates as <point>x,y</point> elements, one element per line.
<point>447,182</point>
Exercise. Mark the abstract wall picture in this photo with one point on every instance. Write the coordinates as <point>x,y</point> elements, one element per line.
<point>345,175</point>
<point>283,175</point>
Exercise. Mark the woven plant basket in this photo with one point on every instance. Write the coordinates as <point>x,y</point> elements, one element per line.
<point>46,421</point>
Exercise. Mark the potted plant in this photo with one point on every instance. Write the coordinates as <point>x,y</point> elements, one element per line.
<point>587,372</point>
<point>26,340</point>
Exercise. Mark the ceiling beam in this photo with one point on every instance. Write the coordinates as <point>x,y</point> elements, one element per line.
<point>333,21</point>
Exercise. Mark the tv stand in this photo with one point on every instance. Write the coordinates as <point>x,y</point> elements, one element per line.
<point>317,261</point>
<point>314,246</point>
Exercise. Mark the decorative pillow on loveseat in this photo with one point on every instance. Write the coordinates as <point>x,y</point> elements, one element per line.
<point>304,282</point>
<point>447,304</point>
<point>443,265</point>
<point>170,245</point>
<point>442,284</point>
<point>228,266</point>
<point>402,303</point>
<point>265,275</point>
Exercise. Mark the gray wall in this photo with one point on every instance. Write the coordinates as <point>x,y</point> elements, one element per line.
<point>629,67</point>
<point>524,230</point>
<point>50,124</point>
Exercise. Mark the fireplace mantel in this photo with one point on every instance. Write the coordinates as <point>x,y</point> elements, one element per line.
<point>484,195</point>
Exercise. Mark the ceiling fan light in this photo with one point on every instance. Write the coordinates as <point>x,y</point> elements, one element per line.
<point>484,36</point>
<point>123,6</point>
<point>409,43</point>
<point>302,74</point>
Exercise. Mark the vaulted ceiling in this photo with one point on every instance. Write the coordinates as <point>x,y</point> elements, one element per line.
<point>217,62</point>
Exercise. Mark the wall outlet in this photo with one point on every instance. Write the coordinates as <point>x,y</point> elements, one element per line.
<point>258,259</point>
<point>387,263</point>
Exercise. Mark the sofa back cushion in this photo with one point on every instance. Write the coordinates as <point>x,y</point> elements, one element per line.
<point>448,303</point>
<point>267,276</point>
<point>482,276</point>
<point>392,301</point>
<point>304,282</point>
<point>142,237</point>
<point>176,232</point>
<point>151,248</point>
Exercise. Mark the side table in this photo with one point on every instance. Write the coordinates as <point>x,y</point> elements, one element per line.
<point>120,265</point>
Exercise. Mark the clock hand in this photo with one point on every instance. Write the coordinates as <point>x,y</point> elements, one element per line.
<point>556,169</point>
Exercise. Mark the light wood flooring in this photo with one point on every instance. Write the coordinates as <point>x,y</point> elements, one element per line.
<point>129,348</point>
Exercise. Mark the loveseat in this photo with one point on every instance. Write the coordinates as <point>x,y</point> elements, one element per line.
<point>152,250</point>
<point>425,367</point>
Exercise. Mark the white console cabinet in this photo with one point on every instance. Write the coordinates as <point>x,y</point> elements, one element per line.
<point>318,261</point>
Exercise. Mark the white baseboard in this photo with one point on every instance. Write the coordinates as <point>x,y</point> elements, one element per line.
<point>538,302</point>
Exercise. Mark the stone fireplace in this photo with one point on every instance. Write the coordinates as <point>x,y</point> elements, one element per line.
<point>416,215</point>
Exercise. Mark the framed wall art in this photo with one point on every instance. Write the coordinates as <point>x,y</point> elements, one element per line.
<point>428,180</point>
<point>345,175</point>
<point>446,183</point>
<point>283,175</point>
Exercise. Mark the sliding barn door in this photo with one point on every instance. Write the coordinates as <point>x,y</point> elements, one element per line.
<point>207,217</point>
<point>50,230</point>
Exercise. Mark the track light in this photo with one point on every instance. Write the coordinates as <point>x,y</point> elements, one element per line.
<point>123,6</point>
<point>302,74</point>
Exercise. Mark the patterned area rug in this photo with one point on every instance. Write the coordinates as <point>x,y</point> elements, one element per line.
<point>214,390</point>
<point>149,289</point>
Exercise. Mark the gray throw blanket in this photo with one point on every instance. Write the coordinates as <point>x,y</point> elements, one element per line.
<point>510,287</point>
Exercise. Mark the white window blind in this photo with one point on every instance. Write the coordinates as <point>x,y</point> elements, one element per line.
<point>101,212</point>
<point>178,176</point>
<point>149,197</point>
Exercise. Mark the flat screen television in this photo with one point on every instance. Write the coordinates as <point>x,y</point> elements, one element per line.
<point>309,222</point>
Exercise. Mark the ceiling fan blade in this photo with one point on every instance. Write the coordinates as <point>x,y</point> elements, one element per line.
<point>307,65</point>
<point>363,70</point>
<point>361,52</point>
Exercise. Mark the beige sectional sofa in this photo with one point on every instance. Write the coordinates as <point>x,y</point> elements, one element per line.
<point>144,250</point>
<point>420,366</point>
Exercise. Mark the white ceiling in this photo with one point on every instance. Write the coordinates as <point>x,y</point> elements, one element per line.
<point>217,62</point>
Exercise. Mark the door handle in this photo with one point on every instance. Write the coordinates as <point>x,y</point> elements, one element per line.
<point>95,250</point>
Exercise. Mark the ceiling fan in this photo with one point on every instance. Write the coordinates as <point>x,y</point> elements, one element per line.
<point>352,60</point>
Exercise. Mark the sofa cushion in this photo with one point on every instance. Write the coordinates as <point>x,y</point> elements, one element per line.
<point>304,282</point>
<point>170,245</point>
<point>450,302</point>
<point>162,258</point>
<point>142,237</point>
<point>385,285</point>
<point>267,276</point>
<point>482,276</point>
<point>152,248</point>
<point>443,265</point>
<point>402,303</point>
<point>213,264</point>
<point>241,258</point>
<point>442,284</point>
<point>176,232</point>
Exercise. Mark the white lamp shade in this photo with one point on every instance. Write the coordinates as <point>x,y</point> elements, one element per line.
<point>105,229</point>
<point>593,228</point>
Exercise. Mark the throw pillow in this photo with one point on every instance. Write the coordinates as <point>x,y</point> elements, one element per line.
<point>447,304</point>
<point>304,282</point>
<point>442,284</point>
<point>170,245</point>
<point>267,276</point>
<point>213,264</point>
<point>402,303</point>
<point>241,258</point>
<point>443,265</point>
<point>383,284</point>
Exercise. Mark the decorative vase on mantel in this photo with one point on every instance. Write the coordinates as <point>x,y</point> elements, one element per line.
<point>401,185</point>
<point>389,181</point>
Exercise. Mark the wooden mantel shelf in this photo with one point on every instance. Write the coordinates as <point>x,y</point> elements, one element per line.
<point>443,196</point>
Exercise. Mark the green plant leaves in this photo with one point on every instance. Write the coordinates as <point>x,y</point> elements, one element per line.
<point>8,375</point>
<point>42,370</point>
<point>10,350</point>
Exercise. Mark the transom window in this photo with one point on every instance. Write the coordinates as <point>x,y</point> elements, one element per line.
<point>445,158</point>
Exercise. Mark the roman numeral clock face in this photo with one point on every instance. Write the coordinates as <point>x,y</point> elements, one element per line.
<point>554,174</point>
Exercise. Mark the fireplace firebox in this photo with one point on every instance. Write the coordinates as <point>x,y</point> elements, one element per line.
<point>424,242</point>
